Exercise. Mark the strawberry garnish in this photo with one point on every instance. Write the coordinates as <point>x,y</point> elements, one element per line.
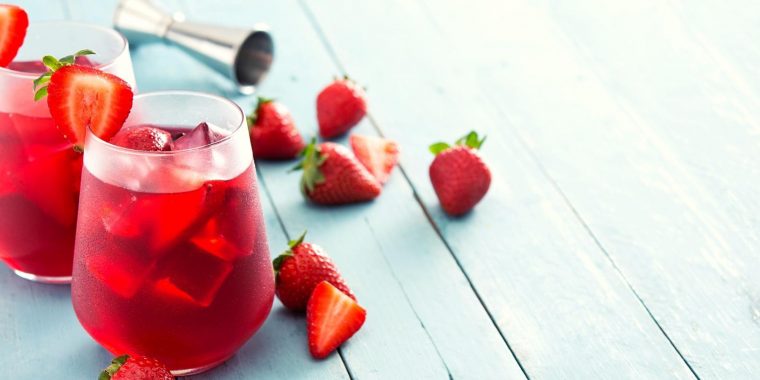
<point>127,367</point>
<point>459,175</point>
<point>331,319</point>
<point>82,97</point>
<point>13,24</point>
<point>273,132</point>
<point>332,175</point>
<point>340,106</point>
<point>144,137</point>
<point>299,269</point>
<point>377,154</point>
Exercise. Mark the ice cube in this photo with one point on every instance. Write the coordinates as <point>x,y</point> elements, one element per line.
<point>211,239</point>
<point>190,274</point>
<point>123,272</point>
<point>202,135</point>
<point>160,219</point>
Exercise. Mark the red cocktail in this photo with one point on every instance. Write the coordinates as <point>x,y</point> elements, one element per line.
<point>171,256</point>
<point>39,170</point>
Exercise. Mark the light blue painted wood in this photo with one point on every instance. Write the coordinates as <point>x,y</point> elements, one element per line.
<point>387,266</point>
<point>651,134</point>
<point>279,349</point>
<point>559,301</point>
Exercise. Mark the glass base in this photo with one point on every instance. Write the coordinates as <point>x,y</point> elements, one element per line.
<point>195,371</point>
<point>43,279</point>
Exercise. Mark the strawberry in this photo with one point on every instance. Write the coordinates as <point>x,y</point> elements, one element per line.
<point>80,97</point>
<point>340,106</point>
<point>127,367</point>
<point>144,137</point>
<point>273,132</point>
<point>13,24</point>
<point>459,176</point>
<point>377,154</point>
<point>332,175</point>
<point>299,269</point>
<point>331,319</point>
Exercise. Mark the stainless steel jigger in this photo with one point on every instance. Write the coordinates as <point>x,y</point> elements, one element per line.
<point>243,55</point>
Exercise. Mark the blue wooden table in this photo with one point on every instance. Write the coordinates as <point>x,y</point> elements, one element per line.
<point>620,237</point>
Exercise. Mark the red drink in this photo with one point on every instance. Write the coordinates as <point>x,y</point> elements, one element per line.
<point>39,188</point>
<point>39,170</point>
<point>171,254</point>
<point>182,277</point>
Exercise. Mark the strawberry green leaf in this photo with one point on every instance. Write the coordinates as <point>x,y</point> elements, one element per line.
<point>439,147</point>
<point>53,64</point>
<point>255,114</point>
<point>44,78</point>
<point>41,93</point>
<point>116,363</point>
<point>293,243</point>
<point>311,160</point>
<point>471,140</point>
<point>84,52</point>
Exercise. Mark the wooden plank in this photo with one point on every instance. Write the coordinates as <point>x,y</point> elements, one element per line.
<point>406,278</point>
<point>33,313</point>
<point>473,321</point>
<point>556,297</point>
<point>654,143</point>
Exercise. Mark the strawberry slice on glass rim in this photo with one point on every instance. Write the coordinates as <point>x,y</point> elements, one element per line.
<point>13,24</point>
<point>81,97</point>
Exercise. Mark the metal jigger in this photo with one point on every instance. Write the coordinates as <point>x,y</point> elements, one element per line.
<point>243,55</point>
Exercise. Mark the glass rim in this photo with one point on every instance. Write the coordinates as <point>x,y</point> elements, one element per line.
<point>121,149</point>
<point>103,66</point>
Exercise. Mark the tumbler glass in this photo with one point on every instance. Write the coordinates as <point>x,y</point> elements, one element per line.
<point>39,169</point>
<point>171,257</point>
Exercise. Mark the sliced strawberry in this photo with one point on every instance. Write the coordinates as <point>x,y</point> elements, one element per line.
<point>13,24</point>
<point>377,154</point>
<point>81,97</point>
<point>331,319</point>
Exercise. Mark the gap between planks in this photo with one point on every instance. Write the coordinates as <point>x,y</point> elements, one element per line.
<point>339,64</point>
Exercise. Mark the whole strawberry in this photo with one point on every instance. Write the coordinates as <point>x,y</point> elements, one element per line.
<point>273,132</point>
<point>340,106</point>
<point>459,175</point>
<point>332,175</point>
<point>127,367</point>
<point>13,24</point>
<point>299,269</point>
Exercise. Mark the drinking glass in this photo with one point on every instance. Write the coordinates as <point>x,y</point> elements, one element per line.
<point>171,257</point>
<point>39,170</point>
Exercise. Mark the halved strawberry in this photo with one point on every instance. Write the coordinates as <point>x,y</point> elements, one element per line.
<point>82,97</point>
<point>331,319</point>
<point>13,24</point>
<point>377,154</point>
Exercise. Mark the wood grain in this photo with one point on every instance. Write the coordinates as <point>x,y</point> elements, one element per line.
<point>402,273</point>
<point>540,274</point>
<point>652,142</point>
